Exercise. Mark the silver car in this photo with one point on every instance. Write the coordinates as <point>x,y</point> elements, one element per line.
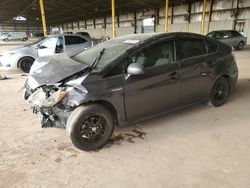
<point>13,36</point>
<point>23,57</point>
<point>230,37</point>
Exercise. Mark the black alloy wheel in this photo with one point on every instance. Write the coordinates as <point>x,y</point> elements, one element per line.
<point>90,127</point>
<point>219,92</point>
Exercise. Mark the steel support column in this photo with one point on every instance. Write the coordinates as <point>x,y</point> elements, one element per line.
<point>203,17</point>
<point>166,17</point>
<point>113,18</point>
<point>210,15</point>
<point>43,17</point>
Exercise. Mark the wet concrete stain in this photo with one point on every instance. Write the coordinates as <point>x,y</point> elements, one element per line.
<point>130,137</point>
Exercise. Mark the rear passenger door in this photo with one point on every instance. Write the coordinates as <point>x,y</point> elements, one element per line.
<point>76,44</point>
<point>195,71</point>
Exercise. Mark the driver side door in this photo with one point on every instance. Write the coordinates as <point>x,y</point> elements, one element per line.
<point>47,47</point>
<point>158,89</point>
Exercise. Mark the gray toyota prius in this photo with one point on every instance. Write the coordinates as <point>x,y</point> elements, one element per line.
<point>126,80</point>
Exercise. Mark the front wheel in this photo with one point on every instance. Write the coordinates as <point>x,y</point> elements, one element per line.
<point>90,127</point>
<point>220,92</point>
<point>26,63</point>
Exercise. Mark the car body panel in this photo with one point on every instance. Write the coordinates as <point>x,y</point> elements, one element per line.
<point>159,90</point>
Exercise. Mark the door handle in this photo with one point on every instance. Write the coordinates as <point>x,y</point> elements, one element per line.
<point>174,75</point>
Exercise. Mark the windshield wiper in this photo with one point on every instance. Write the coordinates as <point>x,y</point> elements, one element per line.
<point>96,61</point>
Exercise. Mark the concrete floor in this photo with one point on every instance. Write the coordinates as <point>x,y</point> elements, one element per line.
<point>201,146</point>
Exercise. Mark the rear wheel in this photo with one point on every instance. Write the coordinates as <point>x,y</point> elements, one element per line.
<point>220,92</point>
<point>26,63</point>
<point>6,40</point>
<point>90,127</point>
<point>240,45</point>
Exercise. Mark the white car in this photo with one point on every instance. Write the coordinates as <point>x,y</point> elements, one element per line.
<point>12,36</point>
<point>24,57</point>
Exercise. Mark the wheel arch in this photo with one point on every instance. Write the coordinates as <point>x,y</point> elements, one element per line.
<point>229,79</point>
<point>18,62</point>
<point>106,104</point>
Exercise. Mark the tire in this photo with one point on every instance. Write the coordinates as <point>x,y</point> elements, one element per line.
<point>219,92</point>
<point>83,129</point>
<point>26,63</point>
<point>6,40</point>
<point>23,39</point>
<point>240,45</point>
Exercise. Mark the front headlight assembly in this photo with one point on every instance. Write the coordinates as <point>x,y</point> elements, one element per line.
<point>44,97</point>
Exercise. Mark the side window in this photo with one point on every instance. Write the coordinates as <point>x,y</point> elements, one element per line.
<point>154,56</point>
<point>190,48</point>
<point>119,69</point>
<point>49,43</point>
<point>71,40</point>
<point>211,46</point>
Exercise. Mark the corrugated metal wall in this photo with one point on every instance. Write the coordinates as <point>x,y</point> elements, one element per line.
<point>222,18</point>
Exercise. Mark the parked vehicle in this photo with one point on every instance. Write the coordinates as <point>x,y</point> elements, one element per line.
<point>230,37</point>
<point>12,36</point>
<point>126,80</point>
<point>86,34</point>
<point>23,57</point>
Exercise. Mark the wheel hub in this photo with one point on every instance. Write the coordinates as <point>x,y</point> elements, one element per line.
<point>92,127</point>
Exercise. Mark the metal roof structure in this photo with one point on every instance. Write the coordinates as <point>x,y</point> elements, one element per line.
<point>58,11</point>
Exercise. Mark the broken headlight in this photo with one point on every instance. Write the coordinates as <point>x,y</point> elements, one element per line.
<point>47,96</point>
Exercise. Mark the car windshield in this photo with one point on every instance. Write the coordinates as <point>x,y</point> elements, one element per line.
<point>113,49</point>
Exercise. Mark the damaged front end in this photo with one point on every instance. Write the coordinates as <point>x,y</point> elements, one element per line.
<point>54,103</point>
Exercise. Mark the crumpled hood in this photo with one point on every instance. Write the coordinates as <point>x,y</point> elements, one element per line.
<point>52,69</point>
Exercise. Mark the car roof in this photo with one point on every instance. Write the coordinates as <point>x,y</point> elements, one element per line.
<point>146,36</point>
<point>64,34</point>
<point>224,30</point>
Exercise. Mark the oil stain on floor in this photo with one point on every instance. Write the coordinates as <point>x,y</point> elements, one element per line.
<point>128,136</point>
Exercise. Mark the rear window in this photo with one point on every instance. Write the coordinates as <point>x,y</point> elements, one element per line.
<point>191,48</point>
<point>235,34</point>
<point>211,46</point>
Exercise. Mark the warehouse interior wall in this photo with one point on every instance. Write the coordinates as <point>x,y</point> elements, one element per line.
<point>223,17</point>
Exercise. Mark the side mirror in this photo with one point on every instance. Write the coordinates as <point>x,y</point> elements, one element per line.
<point>40,46</point>
<point>135,69</point>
